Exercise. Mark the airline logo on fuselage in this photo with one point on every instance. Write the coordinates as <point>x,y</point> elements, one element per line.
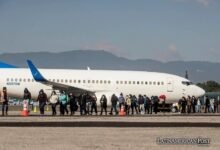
<point>13,83</point>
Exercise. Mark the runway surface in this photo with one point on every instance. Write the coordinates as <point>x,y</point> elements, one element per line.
<point>159,120</point>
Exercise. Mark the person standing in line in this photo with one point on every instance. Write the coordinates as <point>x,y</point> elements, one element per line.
<point>73,104</point>
<point>151,104</point>
<point>121,101</point>
<point>63,100</point>
<point>53,101</point>
<point>189,104</point>
<point>207,104</point>
<point>128,104</point>
<point>114,101</point>
<point>156,104</point>
<point>198,106</point>
<point>146,104</point>
<point>82,104</point>
<point>215,105</point>
<point>94,105</point>
<point>88,103</point>
<point>4,99</point>
<point>141,103</point>
<point>103,103</point>
<point>183,104</point>
<point>194,103</point>
<point>27,97</point>
<point>42,99</point>
<point>134,104</point>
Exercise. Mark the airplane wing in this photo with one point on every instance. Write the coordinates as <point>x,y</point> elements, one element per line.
<point>38,77</point>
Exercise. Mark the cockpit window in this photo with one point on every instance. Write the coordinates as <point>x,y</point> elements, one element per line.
<point>187,83</point>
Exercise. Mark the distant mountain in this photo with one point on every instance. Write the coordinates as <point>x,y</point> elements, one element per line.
<point>79,59</point>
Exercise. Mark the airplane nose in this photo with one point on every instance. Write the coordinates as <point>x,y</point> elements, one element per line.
<point>201,92</point>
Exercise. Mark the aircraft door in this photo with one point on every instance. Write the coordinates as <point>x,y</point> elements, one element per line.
<point>169,85</point>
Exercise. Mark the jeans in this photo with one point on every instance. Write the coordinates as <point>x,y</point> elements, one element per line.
<point>4,108</point>
<point>42,105</point>
<point>63,109</point>
<point>114,107</point>
<point>54,112</point>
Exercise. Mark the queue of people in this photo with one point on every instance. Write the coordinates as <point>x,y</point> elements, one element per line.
<point>193,105</point>
<point>87,104</point>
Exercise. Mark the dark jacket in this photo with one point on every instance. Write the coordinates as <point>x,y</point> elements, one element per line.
<point>27,95</point>
<point>114,100</point>
<point>42,98</point>
<point>103,101</point>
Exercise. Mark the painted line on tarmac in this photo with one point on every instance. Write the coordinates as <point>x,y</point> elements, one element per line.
<point>108,124</point>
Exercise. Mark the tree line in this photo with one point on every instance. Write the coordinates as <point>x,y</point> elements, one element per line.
<point>210,86</point>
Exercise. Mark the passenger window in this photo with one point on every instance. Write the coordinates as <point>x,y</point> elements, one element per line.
<point>20,80</point>
<point>24,80</point>
<point>58,80</point>
<point>109,82</point>
<point>121,82</point>
<point>150,82</point>
<point>66,81</point>
<point>7,79</point>
<point>133,82</point>
<point>101,81</point>
<point>79,81</point>
<point>125,82</point>
<point>12,79</point>
<point>162,83</point>
<point>117,82</point>
<point>129,82</point>
<point>97,81</point>
<point>142,82</point>
<point>93,81</point>
<point>158,83</point>
<point>88,81</point>
<point>146,83</point>
<point>137,82</point>
<point>105,82</point>
<point>154,83</point>
<point>84,81</point>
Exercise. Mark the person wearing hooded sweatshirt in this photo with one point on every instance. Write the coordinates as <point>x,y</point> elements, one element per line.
<point>27,96</point>
<point>73,104</point>
<point>42,99</point>
<point>128,104</point>
<point>103,102</point>
<point>134,104</point>
<point>4,99</point>
<point>63,99</point>
<point>54,100</point>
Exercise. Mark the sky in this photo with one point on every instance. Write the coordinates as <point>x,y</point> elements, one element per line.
<point>165,30</point>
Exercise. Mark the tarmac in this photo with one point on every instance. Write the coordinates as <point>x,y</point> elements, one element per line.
<point>106,132</point>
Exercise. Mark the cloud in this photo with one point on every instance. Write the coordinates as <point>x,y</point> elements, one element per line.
<point>201,2</point>
<point>204,2</point>
<point>170,54</point>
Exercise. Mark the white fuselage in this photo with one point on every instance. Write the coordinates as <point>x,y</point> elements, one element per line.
<point>101,82</point>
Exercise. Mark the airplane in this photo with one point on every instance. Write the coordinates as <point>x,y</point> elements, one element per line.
<point>96,83</point>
